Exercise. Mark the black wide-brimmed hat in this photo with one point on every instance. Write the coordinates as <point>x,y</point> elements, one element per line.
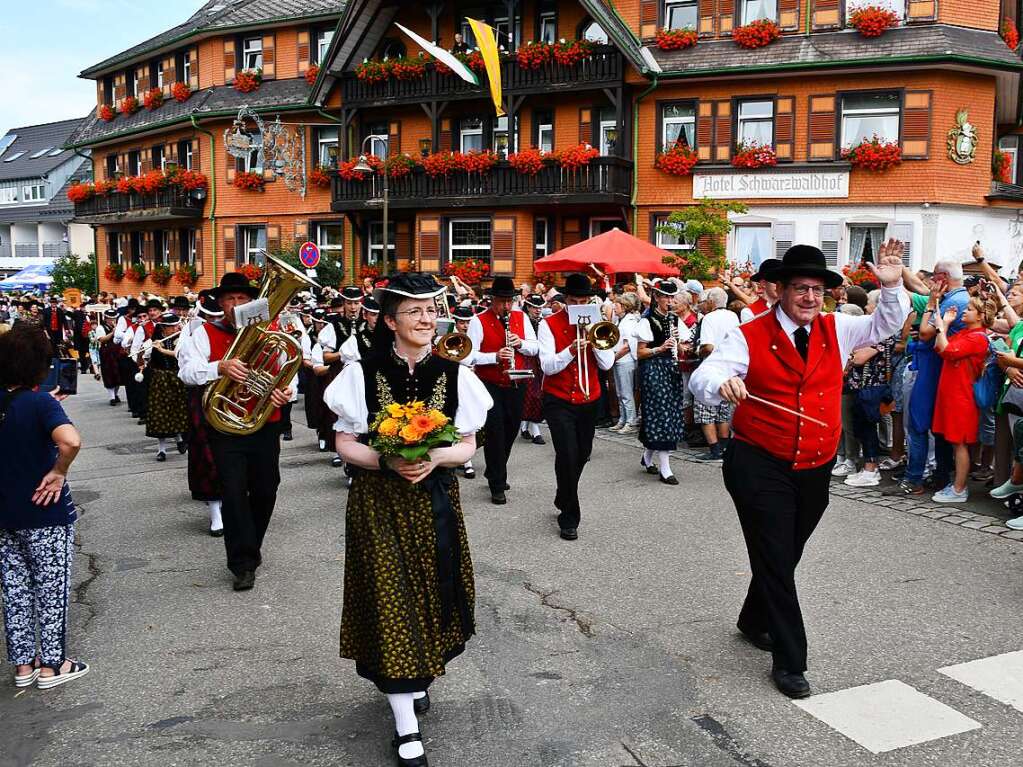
<point>536,301</point>
<point>337,303</point>
<point>409,285</point>
<point>767,268</point>
<point>180,302</point>
<point>806,261</point>
<point>154,303</point>
<point>370,305</point>
<point>503,287</point>
<point>577,285</point>
<point>235,282</point>
<point>463,313</point>
<point>351,293</point>
<point>169,318</point>
<point>665,287</point>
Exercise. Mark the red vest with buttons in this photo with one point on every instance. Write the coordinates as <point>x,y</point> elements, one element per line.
<point>565,385</point>
<point>778,373</point>
<point>220,342</point>
<point>148,328</point>
<point>493,340</point>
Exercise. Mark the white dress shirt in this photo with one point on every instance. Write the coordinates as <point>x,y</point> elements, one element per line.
<point>627,327</point>
<point>119,329</point>
<point>715,327</point>
<point>529,347</point>
<point>552,362</point>
<point>194,366</point>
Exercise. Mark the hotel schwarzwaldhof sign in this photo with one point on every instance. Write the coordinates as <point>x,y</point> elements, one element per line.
<point>791,182</point>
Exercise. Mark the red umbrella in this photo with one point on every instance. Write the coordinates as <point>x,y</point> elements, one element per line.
<point>614,252</point>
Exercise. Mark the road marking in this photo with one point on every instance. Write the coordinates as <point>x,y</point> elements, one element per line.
<point>999,677</point>
<point>887,715</point>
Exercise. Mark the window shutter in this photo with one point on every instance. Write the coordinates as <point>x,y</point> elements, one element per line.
<point>403,242</point>
<point>705,130</point>
<point>230,60</point>
<point>726,16</point>
<point>125,240</point>
<point>146,159</point>
<point>784,127</point>
<point>830,235</point>
<point>99,94</point>
<point>230,255</point>
<point>303,52</point>
<point>788,14</point>
<point>822,128</point>
<point>827,14</point>
<point>446,136</point>
<point>394,138</point>
<point>118,89</point>
<point>147,250</point>
<point>198,251</point>
<point>784,233</point>
<point>429,244</point>
<point>174,246</point>
<point>585,126</point>
<point>170,73</point>
<point>193,64</point>
<point>196,145</point>
<point>648,19</point>
<point>142,75</point>
<point>303,230</point>
<point>232,167</point>
<point>273,238</point>
<point>171,152</point>
<point>722,130</point>
<point>904,231</point>
<point>571,231</point>
<point>916,124</point>
<point>705,10</point>
<point>921,10</point>
<point>269,58</point>
<point>502,245</point>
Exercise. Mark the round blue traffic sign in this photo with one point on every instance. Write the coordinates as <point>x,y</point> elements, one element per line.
<point>309,255</point>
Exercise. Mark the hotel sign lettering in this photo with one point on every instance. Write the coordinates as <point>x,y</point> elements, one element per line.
<point>767,185</point>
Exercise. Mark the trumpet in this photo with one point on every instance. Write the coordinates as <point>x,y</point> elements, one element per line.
<point>601,336</point>
<point>513,373</point>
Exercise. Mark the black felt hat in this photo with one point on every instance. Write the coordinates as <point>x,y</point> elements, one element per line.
<point>409,285</point>
<point>806,261</point>
<point>536,301</point>
<point>370,305</point>
<point>766,270</point>
<point>351,293</point>
<point>577,285</point>
<point>503,287</point>
<point>463,313</point>
<point>180,302</point>
<point>235,282</point>
<point>337,303</point>
<point>154,303</point>
<point>666,287</point>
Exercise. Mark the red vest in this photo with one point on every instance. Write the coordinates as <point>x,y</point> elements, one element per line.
<point>220,342</point>
<point>148,328</point>
<point>493,340</point>
<point>565,385</point>
<point>759,306</point>
<point>778,373</point>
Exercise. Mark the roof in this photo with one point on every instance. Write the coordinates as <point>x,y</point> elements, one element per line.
<point>936,42</point>
<point>58,210</point>
<point>30,141</point>
<point>223,99</point>
<point>219,15</point>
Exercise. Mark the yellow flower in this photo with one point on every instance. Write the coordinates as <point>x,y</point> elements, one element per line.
<point>414,408</point>
<point>395,410</point>
<point>410,434</point>
<point>389,427</point>
<point>437,419</point>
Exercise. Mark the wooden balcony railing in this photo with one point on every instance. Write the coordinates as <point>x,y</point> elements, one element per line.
<point>163,204</point>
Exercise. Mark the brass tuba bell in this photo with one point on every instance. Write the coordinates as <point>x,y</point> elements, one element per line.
<point>454,347</point>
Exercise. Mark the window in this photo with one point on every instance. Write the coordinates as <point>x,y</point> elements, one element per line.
<point>505,34</point>
<point>680,14</point>
<point>251,241</point>
<point>323,40</point>
<point>185,154</point>
<point>327,141</point>
<point>547,28</point>
<point>864,240</point>
<point>136,247</point>
<point>755,10</point>
<point>111,166</point>
<point>753,243</point>
<point>56,152</point>
<point>252,53</point>
<point>14,157</point>
<point>667,240</point>
<point>375,249</point>
<point>678,125</point>
<point>608,132</point>
<point>161,248</point>
<point>131,83</point>
<point>159,157</point>
<point>330,238</point>
<point>8,194</point>
<point>543,139</point>
<point>33,192</point>
<point>40,153</point>
<point>756,123</point>
<point>379,140</point>
<point>186,246</point>
<point>865,115</point>
<point>503,144</point>
<point>183,66</point>
<point>593,32</point>
<point>470,135</point>
<point>156,74</point>
<point>114,254</point>
<point>541,237</point>
<point>135,163</point>
<point>1010,146</point>
<point>469,238</point>
<point>393,48</point>
<point>108,89</point>
<point>253,162</point>
<point>6,142</point>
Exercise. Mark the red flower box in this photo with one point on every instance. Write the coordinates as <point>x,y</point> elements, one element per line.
<point>1001,168</point>
<point>872,20</point>
<point>757,34</point>
<point>440,164</point>
<point>859,274</point>
<point>677,161</point>
<point>80,192</point>
<point>102,188</point>
<point>372,272</point>
<point>311,74</point>
<point>1009,33</point>
<point>577,157</point>
<point>347,169</point>
<point>249,182</point>
<point>754,156</point>
<point>186,275</point>
<point>129,106</point>
<point>135,273</point>
<point>114,272</point>
<point>160,275</point>
<point>874,155</point>
<point>189,180</point>
<point>181,92</point>
<point>676,39</point>
<point>528,162</point>
<point>407,69</point>
<point>475,162</point>
<point>373,72</point>
<point>533,55</point>
<point>570,54</point>
<point>399,166</point>
<point>153,99</point>
<point>252,272</point>
<point>470,271</point>
<point>320,177</point>
<point>475,62</point>
<point>107,113</point>
<point>247,80</point>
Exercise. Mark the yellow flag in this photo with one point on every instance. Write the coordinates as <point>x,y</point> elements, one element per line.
<point>486,39</point>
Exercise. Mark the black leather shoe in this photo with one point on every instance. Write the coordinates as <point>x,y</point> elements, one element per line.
<point>651,469</point>
<point>161,457</point>
<point>421,705</point>
<point>115,402</point>
<point>669,480</point>
<point>398,742</point>
<point>569,533</point>
<point>469,473</point>
<point>507,486</point>
<point>790,683</point>
<point>336,461</point>
<point>217,533</point>
<point>287,436</point>
<point>525,435</point>
<point>245,581</point>
<point>182,447</point>
<point>539,440</point>
<point>498,497</point>
<point>759,639</point>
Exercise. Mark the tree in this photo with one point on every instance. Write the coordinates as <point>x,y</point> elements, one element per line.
<point>329,273</point>
<point>71,271</point>
<point>704,226</point>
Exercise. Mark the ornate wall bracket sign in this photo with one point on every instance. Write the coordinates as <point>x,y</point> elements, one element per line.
<point>281,150</point>
<point>962,139</point>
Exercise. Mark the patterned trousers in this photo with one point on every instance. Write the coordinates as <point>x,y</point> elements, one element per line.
<point>35,572</point>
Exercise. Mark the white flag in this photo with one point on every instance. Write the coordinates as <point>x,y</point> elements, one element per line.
<point>443,56</point>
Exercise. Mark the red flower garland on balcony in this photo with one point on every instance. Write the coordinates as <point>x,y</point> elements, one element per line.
<point>181,92</point>
<point>407,69</point>
<point>677,161</point>
<point>107,113</point>
<point>135,272</point>
<point>875,155</point>
<point>347,169</point>
<point>474,61</point>
<point>754,156</point>
<point>129,106</point>
<point>676,39</point>
<point>103,188</point>
<point>252,272</point>
<point>756,34</point>
<point>160,275</point>
<point>440,164</point>
<point>1001,168</point>
<point>577,157</point>
<point>475,162</point>
<point>470,271</point>
<point>528,162</point>
<point>873,20</point>
<point>189,180</point>
<point>186,275</point>
<point>533,55</point>
<point>78,192</point>
<point>153,99</point>
<point>249,182</point>
<point>247,80</point>
<point>311,74</point>
<point>320,177</point>
<point>1009,33</point>
<point>399,166</point>
<point>373,72</point>
<point>570,54</point>
<point>114,272</point>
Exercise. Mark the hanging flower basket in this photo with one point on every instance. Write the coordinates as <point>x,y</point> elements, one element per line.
<point>577,157</point>
<point>135,272</point>
<point>373,72</point>
<point>252,272</point>
<point>160,275</point>
<point>533,55</point>
<point>186,275</point>
<point>320,177</point>
<point>247,80</point>
<point>399,166</point>
<point>311,74</point>
<point>471,271</point>
<point>676,39</point>
<point>129,106</point>
<point>181,92</point>
<point>347,169</point>
<point>408,69</point>
<point>570,54</point>
<point>107,113</point>
<point>754,156</point>
<point>1009,33</point>
<point>528,162</point>
<point>677,161</point>
<point>153,99</point>
<point>79,192</point>
<point>250,182</point>
<point>874,155</point>
<point>114,272</point>
<point>1001,168</point>
<point>757,34</point>
<point>873,20</point>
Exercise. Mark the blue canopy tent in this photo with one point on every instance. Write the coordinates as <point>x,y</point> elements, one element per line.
<point>36,277</point>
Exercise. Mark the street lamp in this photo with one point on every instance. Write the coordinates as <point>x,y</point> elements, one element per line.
<point>363,167</point>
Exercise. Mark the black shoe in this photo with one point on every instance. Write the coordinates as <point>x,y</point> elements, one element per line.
<point>114,402</point>
<point>287,437</point>
<point>569,533</point>
<point>336,461</point>
<point>790,683</point>
<point>469,473</point>
<point>134,414</point>
<point>669,480</point>
<point>421,705</point>
<point>161,456</point>
<point>216,533</point>
<point>525,435</point>
<point>498,497</point>
<point>507,486</point>
<point>651,469</point>
<point>605,423</point>
<point>759,639</point>
<point>398,742</point>
<point>539,440</point>
<point>182,447</point>
<point>117,400</point>
<point>245,581</point>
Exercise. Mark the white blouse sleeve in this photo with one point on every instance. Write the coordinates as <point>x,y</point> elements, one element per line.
<point>643,331</point>
<point>473,402</point>
<point>346,396</point>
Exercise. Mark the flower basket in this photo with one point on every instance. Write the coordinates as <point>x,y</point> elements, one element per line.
<point>153,99</point>
<point>80,192</point>
<point>135,272</point>
<point>859,274</point>
<point>873,20</point>
<point>252,272</point>
<point>533,55</point>
<point>475,162</point>
<point>1001,168</point>
<point>756,35</point>
<point>471,271</point>
<point>160,275</point>
<point>320,177</point>
<point>373,72</point>
<point>754,156</point>
<point>249,182</point>
<point>372,272</point>
<point>188,180</point>
<point>677,161</point>
<point>311,74</point>
<point>181,92</point>
<point>114,272</point>
<point>528,162</point>
<point>247,80</point>
<point>407,69</point>
<point>347,169</point>
<point>186,275</point>
<point>103,188</point>
<point>874,155</point>
<point>399,166</point>
<point>676,39</point>
<point>570,54</point>
<point>1009,33</point>
<point>107,113</point>
<point>129,106</point>
<point>577,157</point>
<point>440,164</point>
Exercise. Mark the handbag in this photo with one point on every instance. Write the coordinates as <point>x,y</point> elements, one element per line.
<point>987,388</point>
<point>63,375</point>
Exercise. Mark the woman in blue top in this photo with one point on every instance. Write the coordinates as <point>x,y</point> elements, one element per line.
<point>37,516</point>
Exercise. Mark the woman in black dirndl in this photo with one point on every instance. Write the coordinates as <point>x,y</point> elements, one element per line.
<point>109,356</point>
<point>532,404</point>
<point>409,593</point>
<point>167,408</point>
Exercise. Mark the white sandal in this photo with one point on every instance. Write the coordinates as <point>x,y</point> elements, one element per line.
<point>27,680</point>
<point>77,669</point>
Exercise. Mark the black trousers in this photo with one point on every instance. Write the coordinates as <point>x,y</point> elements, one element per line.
<point>249,472</point>
<point>132,388</point>
<point>571,428</point>
<point>502,428</point>
<point>285,423</point>
<point>779,509</point>
<point>84,358</point>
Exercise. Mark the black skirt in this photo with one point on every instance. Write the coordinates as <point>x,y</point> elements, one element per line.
<point>203,480</point>
<point>661,389</point>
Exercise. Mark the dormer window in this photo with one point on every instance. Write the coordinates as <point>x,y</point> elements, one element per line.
<point>680,14</point>
<point>323,40</point>
<point>757,10</point>
<point>252,53</point>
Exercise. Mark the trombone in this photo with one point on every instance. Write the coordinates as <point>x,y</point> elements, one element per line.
<point>602,336</point>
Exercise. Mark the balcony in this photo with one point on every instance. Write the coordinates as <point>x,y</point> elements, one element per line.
<point>601,70</point>
<point>604,180</point>
<point>163,205</point>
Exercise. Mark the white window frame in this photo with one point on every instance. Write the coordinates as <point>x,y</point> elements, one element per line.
<point>186,67</point>
<point>548,129</point>
<point>252,57</point>
<point>541,249</point>
<point>464,132</point>
<point>323,40</point>
<point>253,161</point>
<point>336,250</point>
<point>659,237</point>
<point>14,156</point>
<point>7,141</point>
<point>8,195</point>
<point>162,254</point>
<point>188,238</point>
<point>680,5</point>
<point>512,139</point>
<point>740,120</point>
<point>379,142</point>
<point>159,74</point>
<point>452,248</point>
<point>594,230</point>
<point>504,35</point>
<point>250,247</point>
<point>186,162</point>
<point>135,83</point>
<point>117,257</point>
<point>887,111</point>
<point>745,7</point>
<point>605,146</point>
<point>375,242</point>
<point>1010,146</point>
<point>324,143</point>
<point>677,120</point>
<point>33,193</point>
<point>735,256</point>
<point>548,27</point>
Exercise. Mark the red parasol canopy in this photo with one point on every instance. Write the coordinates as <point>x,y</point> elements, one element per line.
<point>613,252</point>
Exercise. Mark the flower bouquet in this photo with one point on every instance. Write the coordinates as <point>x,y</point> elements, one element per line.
<point>410,431</point>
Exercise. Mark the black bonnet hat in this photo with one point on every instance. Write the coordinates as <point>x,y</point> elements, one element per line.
<point>666,287</point>
<point>351,293</point>
<point>409,285</point>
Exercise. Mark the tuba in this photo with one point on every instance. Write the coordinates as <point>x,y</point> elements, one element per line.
<point>273,358</point>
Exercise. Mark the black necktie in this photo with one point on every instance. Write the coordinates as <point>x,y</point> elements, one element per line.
<point>802,336</point>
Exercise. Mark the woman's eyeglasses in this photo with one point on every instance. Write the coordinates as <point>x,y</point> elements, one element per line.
<point>417,314</point>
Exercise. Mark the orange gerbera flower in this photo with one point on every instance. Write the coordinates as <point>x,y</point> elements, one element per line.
<point>422,423</point>
<point>437,419</point>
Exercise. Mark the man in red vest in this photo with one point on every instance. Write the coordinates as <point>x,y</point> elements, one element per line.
<point>249,465</point>
<point>500,336</point>
<point>569,409</point>
<point>784,369</point>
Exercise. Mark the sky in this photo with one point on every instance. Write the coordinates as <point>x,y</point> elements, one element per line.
<point>46,43</point>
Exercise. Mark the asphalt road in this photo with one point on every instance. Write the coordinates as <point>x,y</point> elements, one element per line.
<point>616,649</point>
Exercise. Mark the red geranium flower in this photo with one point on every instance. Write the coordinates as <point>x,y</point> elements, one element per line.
<point>186,275</point>
<point>872,20</point>
<point>875,155</point>
<point>754,156</point>
<point>373,72</point>
<point>129,106</point>
<point>247,80</point>
<point>114,272</point>
<point>756,34</point>
<point>528,162</point>
<point>106,113</point>
<point>677,161</point>
<point>320,177</point>
<point>181,92</point>
<point>675,39</point>
<point>577,157</point>
<point>251,182</point>
<point>311,74</point>
<point>570,54</point>
<point>533,55</point>
<point>347,169</point>
<point>153,99</point>
<point>1009,33</point>
<point>1001,168</point>
<point>78,192</point>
